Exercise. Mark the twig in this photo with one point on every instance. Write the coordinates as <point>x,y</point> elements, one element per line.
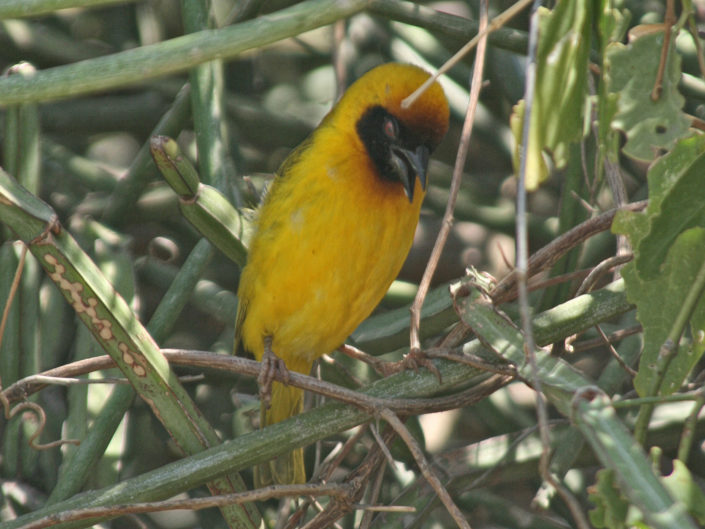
<point>206,360</point>
<point>475,87</point>
<point>356,480</point>
<point>600,270</point>
<point>8,411</point>
<point>333,460</point>
<point>668,22</point>
<point>275,491</point>
<point>382,367</point>
<point>688,433</point>
<point>614,352</point>
<point>616,336</point>
<point>522,258</point>
<point>693,29</point>
<point>497,22</point>
<point>522,274</point>
<point>373,496</point>
<point>383,508</point>
<point>425,468</point>
<point>11,295</point>
<point>42,420</point>
<point>507,370</point>
<point>552,252</point>
<point>382,446</point>
<point>541,283</point>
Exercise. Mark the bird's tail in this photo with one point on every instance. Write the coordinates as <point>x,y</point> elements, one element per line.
<point>285,469</point>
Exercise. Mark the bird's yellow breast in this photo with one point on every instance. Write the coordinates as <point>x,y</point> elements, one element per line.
<point>331,237</point>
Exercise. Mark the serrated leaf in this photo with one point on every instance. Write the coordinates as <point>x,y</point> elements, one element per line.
<point>658,301</point>
<point>561,87</point>
<point>666,260</point>
<point>631,72</point>
<point>676,202</point>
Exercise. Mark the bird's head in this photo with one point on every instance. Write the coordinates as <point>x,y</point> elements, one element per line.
<point>397,140</point>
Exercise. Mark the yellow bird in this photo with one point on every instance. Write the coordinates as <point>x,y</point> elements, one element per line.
<point>333,232</point>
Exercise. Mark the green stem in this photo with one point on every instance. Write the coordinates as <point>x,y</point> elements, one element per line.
<point>129,188</point>
<point>446,24</point>
<point>32,8</point>
<point>691,422</point>
<point>174,55</point>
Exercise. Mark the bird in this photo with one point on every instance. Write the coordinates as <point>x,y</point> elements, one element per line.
<point>332,233</point>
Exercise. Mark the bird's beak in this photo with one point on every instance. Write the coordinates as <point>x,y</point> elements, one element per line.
<point>411,164</point>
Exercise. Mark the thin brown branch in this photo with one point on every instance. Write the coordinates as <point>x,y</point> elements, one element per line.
<point>447,223</point>
<point>192,504</point>
<point>614,352</point>
<point>616,336</point>
<point>333,460</point>
<point>537,283</point>
<point>522,275</point>
<point>496,23</point>
<point>552,252</point>
<point>693,29</point>
<point>357,480</point>
<point>668,22</point>
<point>373,495</point>
<point>11,295</point>
<point>600,270</point>
<point>234,364</point>
<point>425,468</point>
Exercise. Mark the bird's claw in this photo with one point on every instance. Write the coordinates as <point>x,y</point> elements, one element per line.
<point>272,366</point>
<point>416,358</point>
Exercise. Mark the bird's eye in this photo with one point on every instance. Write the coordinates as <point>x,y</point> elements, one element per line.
<point>391,129</point>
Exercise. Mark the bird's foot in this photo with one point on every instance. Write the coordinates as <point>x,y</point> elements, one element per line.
<point>416,358</point>
<point>271,366</point>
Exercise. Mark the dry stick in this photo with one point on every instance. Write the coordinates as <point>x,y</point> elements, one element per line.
<point>496,23</point>
<point>668,22</point>
<point>475,87</point>
<point>382,446</point>
<point>693,29</point>
<point>25,406</point>
<point>339,66</point>
<point>425,468</point>
<point>275,491</point>
<point>522,271</point>
<point>333,461</point>
<point>614,352</point>
<point>540,283</point>
<point>600,270</point>
<point>234,364</point>
<point>12,293</point>
<point>356,480</point>
<point>549,254</point>
<point>373,496</point>
<point>616,336</point>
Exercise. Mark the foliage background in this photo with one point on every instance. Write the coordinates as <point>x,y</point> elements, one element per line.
<point>90,165</point>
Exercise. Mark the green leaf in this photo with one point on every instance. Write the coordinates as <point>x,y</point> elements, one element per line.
<point>668,242</point>
<point>676,202</point>
<point>611,507</point>
<point>618,451</point>
<point>631,72</point>
<point>561,87</point>
<point>658,301</point>
<point>682,487</point>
